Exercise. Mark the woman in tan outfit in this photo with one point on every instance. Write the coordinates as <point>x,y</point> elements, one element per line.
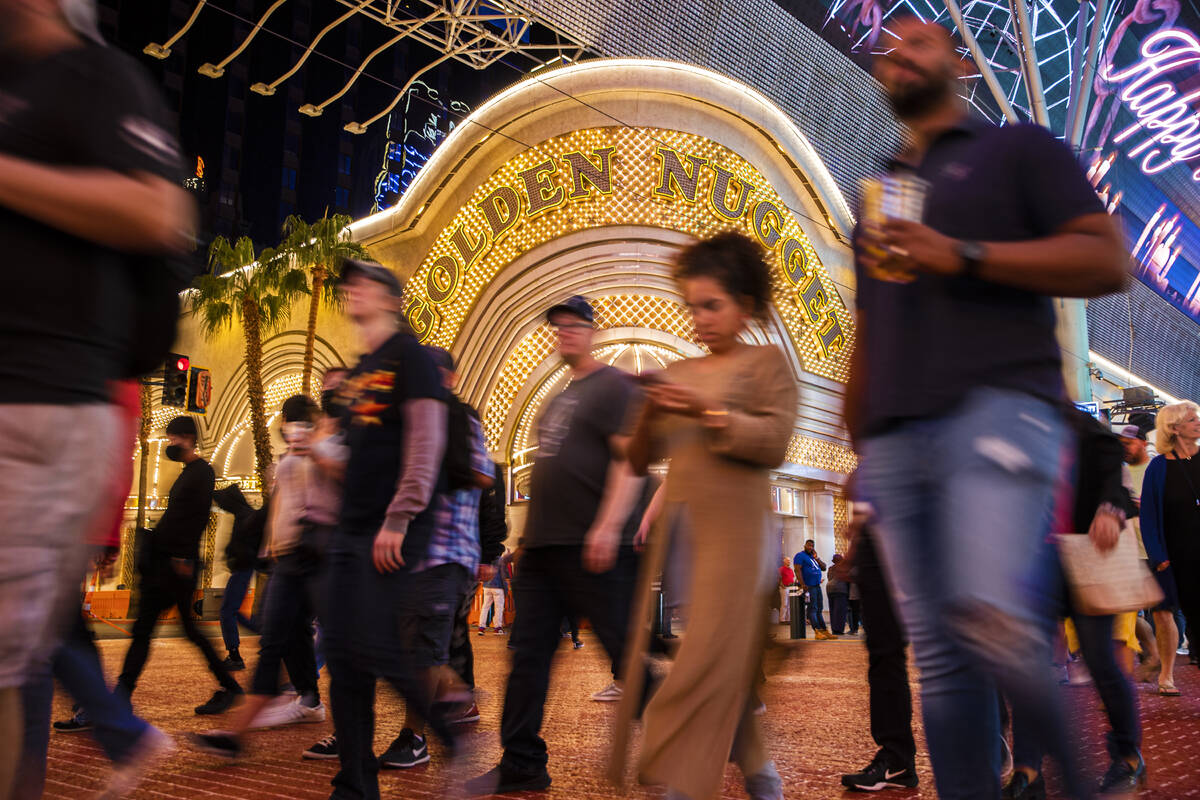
<point>724,420</point>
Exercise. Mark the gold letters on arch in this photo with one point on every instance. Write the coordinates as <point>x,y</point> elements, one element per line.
<point>610,176</point>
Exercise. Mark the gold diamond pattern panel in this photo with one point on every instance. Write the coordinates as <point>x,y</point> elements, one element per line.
<point>821,454</point>
<point>841,523</point>
<point>467,255</point>
<point>620,311</point>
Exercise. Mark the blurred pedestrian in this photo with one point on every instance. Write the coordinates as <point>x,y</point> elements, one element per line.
<point>446,572</point>
<point>1160,645</point>
<point>787,576</point>
<point>724,421</point>
<point>395,435</point>
<point>241,556</point>
<point>955,418</point>
<point>569,555</point>
<point>1170,511</point>
<point>1096,503</point>
<point>80,203</point>
<point>304,511</point>
<point>169,567</point>
<point>494,591</point>
<point>838,589</point>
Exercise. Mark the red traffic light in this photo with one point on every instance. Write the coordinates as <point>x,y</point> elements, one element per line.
<point>182,364</point>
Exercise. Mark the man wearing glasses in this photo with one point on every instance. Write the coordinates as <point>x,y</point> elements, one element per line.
<point>570,561</point>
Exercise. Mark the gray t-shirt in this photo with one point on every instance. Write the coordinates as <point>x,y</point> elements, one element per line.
<point>573,457</point>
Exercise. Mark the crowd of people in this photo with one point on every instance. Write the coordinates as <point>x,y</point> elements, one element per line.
<point>386,514</point>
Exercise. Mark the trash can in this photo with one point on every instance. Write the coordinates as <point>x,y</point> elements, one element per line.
<point>796,608</point>
<point>656,598</point>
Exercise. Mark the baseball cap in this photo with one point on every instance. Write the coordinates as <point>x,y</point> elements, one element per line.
<point>373,271</point>
<point>1132,432</point>
<point>441,357</point>
<point>81,16</point>
<point>577,305</point>
<point>183,426</point>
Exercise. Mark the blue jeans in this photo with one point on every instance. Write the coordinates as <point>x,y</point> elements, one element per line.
<point>963,504</point>
<point>231,604</point>
<point>76,664</point>
<point>295,595</point>
<point>816,608</point>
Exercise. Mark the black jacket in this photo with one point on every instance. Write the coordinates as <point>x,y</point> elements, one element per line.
<point>1098,462</point>
<point>493,528</point>
<point>249,523</point>
<point>189,503</point>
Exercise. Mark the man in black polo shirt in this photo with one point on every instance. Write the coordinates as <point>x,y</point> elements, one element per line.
<point>570,561</point>
<point>170,566</point>
<point>952,404</point>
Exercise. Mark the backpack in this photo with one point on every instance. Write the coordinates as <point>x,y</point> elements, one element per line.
<point>457,463</point>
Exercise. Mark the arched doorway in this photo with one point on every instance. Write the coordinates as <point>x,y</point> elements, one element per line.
<point>586,181</point>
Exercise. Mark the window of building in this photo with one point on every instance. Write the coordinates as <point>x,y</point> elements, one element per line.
<point>289,178</point>
<point>788,501</point>
<point>341,197</point>
<point>344,164</point>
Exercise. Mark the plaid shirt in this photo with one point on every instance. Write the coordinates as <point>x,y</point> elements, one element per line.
<point>455,537</point>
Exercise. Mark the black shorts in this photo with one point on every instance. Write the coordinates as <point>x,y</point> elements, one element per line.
<point>1166,582</point>
<point>427,620</point>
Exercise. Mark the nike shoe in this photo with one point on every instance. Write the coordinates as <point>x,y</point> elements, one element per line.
<point>407,751</point>
<point>880,775</point>
<point>221,701</point>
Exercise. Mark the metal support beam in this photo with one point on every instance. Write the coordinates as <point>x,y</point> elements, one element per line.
<point>1077,56</point>
<point>161,51</point>
<point>1029,63</point>
<point>1079,112</point>
<point>985,68</point>
<point>218,69</point>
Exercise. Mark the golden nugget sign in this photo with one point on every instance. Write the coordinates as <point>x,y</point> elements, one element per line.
<point>626,176</point>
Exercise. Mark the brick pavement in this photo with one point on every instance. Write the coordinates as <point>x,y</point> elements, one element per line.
<point>816,723</point>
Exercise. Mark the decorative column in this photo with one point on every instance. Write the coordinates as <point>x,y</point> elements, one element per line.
<point>1072,334</point>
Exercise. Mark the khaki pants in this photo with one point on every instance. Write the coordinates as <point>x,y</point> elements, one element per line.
<point>53,461</point>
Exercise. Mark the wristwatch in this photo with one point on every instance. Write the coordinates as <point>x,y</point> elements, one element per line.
<point>972,254</point>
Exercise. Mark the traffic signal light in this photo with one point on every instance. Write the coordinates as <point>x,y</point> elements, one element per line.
<point>175,380</point>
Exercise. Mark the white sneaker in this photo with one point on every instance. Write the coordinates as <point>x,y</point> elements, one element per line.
<point>288,714</point>
<point>152,747</point>
<point>609,694</point>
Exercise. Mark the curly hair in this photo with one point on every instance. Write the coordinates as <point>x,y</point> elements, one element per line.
<point>299,408</point>
<point>733,260</point>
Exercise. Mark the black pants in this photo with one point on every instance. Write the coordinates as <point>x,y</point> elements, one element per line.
<point>162,586</point>
<point>855,615</point>
<point>294,594</point>
<point>887,673</point>
<point>550,584</point>
<point>363,641</point>
<point>462,658</point>
<point>839,605</point>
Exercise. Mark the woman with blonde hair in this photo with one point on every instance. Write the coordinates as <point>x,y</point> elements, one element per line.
<point>724,420</point>
<point>1170,512</point>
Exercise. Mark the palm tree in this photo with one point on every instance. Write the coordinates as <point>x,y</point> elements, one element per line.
<point>258,294</point>
<point>319,249</point>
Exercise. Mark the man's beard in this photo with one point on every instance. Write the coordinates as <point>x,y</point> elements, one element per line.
<point>915,101</point>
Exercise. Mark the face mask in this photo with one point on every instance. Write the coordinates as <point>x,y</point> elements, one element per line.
<point>175,452</point>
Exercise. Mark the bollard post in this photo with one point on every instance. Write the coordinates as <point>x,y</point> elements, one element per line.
<point>796,609</point>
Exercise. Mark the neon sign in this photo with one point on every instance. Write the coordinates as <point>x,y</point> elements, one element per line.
<point>1166,121</point>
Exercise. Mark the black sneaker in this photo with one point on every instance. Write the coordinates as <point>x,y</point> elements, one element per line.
<point>1122,779</point>
<point>216,743</point>
<point>501,780</point>
<point>1021,788</point>
<point>406,752</point>
<point>578,644</point>
<point>76,724</point>
<point>234,663</point>
<point>879,775</point>
<point>221,701</point>
<point>323,750</point>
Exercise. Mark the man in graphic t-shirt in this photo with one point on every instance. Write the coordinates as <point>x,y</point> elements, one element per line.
<point>88,174</point>
<point>395,436</point>
<point>569,561</point>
